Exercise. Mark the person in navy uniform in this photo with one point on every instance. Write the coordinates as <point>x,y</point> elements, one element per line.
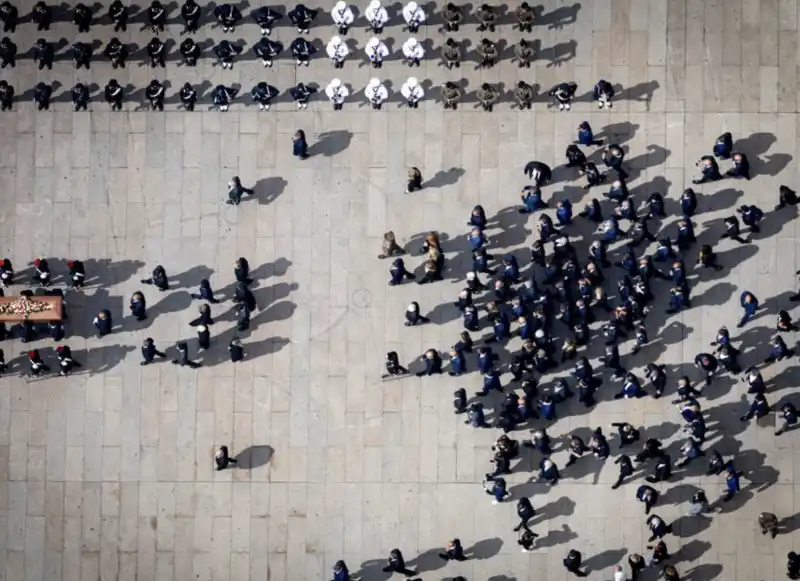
<point>190,51</point>
<point>789,417</point>
<point>113,95</point>
<point>758,408</point>
<point>188,96</point>
<point>602,93</point>
<point>44,54</point>
<point>157,16</point>
<point>82,17</point>
<point>138,306</point>
<point>586,136</point>
<point>741,167</point>
<point>723,146</point>
<point>183,356</point>
<point>625,470</point>
<point>191,13</point>
<point>658,527</point>
<point>572,563</point>
<point>149,352</point>
<point>538,172</point>
<point>750,305</point>
<point>118,13</point>
<point>710,170</point>
<point>227,16</point>
<point>688,203</point>
<point>267,50</point>
<point>42,15</point>
<point>647,495</point>
<point>396,562</point>
<point>80,97</point>
<point>102,322</point>
<point>786,197</point>
<point>778,351</point>
<point>41,96</point>
<point>751,216</point>
<point>266,18</point>
<point>340,571</point>
<point>223,459</point>
<point>302,17</point>
<point>732,484</point>
<point>155,94</point>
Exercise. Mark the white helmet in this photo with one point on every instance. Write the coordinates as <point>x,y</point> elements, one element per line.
<point>412,42</point>
<point>336,40</point>
<point>375,5</point>
<point>539,334</point>
<point>471,276</point>
<point>412,6</point>
<point>374,82</point>
<point>341,6</point>
<point>373,42</point>
<point>336,83</point>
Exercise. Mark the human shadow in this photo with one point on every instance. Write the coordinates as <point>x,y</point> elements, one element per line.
<point>559,54</point>
<point>718,294</point>
<point>605,559</point>
<point>372,569</point>
<point>190,278</point>
<point>705,572</point>
<point>267,190</point>
<point>618,133</point>
<point>331,143</point>
<point>643,93</point>
<point>557,18</point>
<point>655,156</point>
<point>689,526</point>
<point>564,506</point>
<point>691,551</point>
<point>101,359</point>
<point>254,457</point>
<point>556,537</point>
<point>485,549</point>
<point>444,178</point>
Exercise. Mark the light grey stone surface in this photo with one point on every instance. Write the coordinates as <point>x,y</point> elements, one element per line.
<point>108,474</point>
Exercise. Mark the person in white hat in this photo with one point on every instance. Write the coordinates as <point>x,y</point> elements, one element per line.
<point>342,16</point>
<point>377,16</point>
<point>414,15</point>
<point>413,92</point>
<point>337,51</point>
<point>413,51</point>
<point>376,51</point>
<point>376,92</point>
<point>337,93</point>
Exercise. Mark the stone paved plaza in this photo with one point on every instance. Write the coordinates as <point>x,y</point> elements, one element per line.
<point>108,474</point>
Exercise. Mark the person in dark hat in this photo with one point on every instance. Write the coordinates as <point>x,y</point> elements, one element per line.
<point>183,357</point>
<point>188,96</point>
<point>113,95</point>
<point>44,54</point>
<point>149,352</point>
<point>42,15</point>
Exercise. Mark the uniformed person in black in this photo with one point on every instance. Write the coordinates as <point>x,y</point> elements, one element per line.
<point>118,13</point>
<point>116,52</point>
<point>190,51</point>
<point>190,12</point>
<point>81,54</point>
<point>157,16</point>
<point>188,96</point>
<point>113,94</point>
<point>41,96</point>
<point>155,94</point>
<point>80,97</point>
<point>157,51</point>
<point>6,96</point>
<point>43,54</point>
<point>263,94</point>
<point>9,15</point>
<point>82,17</point>
<point>8,53</point>
<point>42,15</point>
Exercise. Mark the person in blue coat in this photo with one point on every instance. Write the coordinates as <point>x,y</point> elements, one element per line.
<point>548,471</point>
<point>710,170</point>
<point>300,145</point>
<point>586,136</point>
<point>723,146</point>
<point>340,571</point>
<point>789,416</point>
<point>741,167</point>
<point>491,382</point>
<point>749,303</point>
<point>564,212</point>
<point>751,216</point>
<point>758,408</point>
<point>688,202</point>
<point>458,364</point>
<point>732,484</point>
<point>631,388</point>
<point>647,495</point>
<point>398,272</point>
<point>778,351</point>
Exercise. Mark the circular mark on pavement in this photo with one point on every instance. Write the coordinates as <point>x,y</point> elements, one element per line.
<point>361,298</point>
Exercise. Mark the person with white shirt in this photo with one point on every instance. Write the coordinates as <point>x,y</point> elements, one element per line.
<point>376,93</point>
<point>377,16</point>
<point>342,16</point>
<point>337,51</point>
<point>619,573</point>
<point>413,92</point>
<point>414,16</point>
<point>376,51</point>
<point>337,93</point>
<point>413,51</point>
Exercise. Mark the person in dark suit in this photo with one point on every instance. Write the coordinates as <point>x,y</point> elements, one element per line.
<point>223,459</point>
<point>205,292</point>
<point>149,351</point>
<point>300,145</point>
<point>102,322</point>
<point>236,350</point>
<point>183,357</point>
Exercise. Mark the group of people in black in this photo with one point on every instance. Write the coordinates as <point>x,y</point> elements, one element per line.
<point>568,297</point>
<point>76,279</point>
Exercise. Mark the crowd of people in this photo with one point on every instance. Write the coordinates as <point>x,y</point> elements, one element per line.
<point>302,50</point>
<point>567,303</point>
<point>41,279</point>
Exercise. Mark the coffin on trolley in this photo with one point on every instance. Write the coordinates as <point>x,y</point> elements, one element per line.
<point>43,308</point>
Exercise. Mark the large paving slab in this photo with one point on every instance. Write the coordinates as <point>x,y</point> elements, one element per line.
<point>108,474</point>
